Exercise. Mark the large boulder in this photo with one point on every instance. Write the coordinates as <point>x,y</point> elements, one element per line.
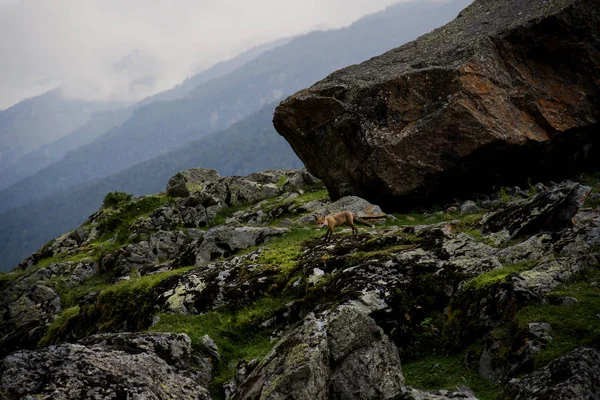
<point>509,90</point>
<point>190,181</point>
<point>343,355</point>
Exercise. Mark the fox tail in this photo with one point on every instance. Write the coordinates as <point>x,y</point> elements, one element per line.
<point>362,221</point>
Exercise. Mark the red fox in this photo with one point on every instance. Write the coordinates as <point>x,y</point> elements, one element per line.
<point>344,217</point>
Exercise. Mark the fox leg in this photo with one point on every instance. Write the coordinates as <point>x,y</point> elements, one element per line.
<point>354,229</point>
<point>328,235</point>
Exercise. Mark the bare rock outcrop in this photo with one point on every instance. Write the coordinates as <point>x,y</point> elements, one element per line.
<point>344,355</point>
<point>139,366</point>
<point>573,376</point>
<point>509,90</point>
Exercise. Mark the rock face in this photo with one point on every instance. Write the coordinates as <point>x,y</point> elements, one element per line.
<point>108,367</point>
<point>550,209</point>
<point>509,90</point>
<point>572,376</point>
<point>344,355</point>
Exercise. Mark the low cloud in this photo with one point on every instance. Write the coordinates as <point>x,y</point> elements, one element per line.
<point>126,50</point>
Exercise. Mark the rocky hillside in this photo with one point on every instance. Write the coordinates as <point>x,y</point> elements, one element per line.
<point>509,90</point>
<point>222,287</point>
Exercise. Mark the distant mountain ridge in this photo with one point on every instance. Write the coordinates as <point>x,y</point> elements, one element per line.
<point>40,120</point>
<point>101,123</point>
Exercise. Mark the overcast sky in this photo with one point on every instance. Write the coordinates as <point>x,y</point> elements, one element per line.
<point>98,49</point>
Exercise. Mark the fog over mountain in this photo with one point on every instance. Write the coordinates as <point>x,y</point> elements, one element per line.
<point>128,50</point>
<point>15,169</point>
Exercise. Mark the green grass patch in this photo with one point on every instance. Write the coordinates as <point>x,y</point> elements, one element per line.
<point>120,221</point>
<point>115,199</point>
<point>490,278</point>
<point>59,326</point>
<point>282,253</point>
<point>589,179</point>
<point>223,214</point>
<point>128,300</point>
<point>447,372</point>
<point>75,258</point>
<point>414,219</point>
<point>6,278</point>
<point>359,256</point>
<point>572,326</point>
<point>238,334</point>
<point>282,181</point>
<point>70,297</point>
<point>310,195</point>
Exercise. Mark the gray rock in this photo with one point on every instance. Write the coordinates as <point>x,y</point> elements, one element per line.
<point>297,366</point>
<point>409,393</point>
<point>540,330</point>
<point>549,210</point>
<point>469,207</point>
<point>568,301</point>
<point>167,244</point>
<point>360,207</point>
<point>242,371</point>
<point>189,181</point>
<point>128,259</point>
<point>343,355</point>
<point>573,376</point>
<point>238,191</point>
<point>81,234</point>
<point>140,366</point>
<point>223,241</point>
<point>364,362</point>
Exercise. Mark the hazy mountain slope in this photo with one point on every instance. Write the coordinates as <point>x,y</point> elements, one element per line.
<point>50,153</point>
<point>162,126</point>
<point>34,122</point>
<point>248,146</point>
<point>46,155</point>
<point>216,71</point>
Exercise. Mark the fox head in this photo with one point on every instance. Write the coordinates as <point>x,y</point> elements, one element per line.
<point>320,221</point>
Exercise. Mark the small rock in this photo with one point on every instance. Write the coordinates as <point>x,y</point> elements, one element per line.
<point>540,330</point>
<point>568,301</point>
<point>316,275</point>
<point>469,207</point>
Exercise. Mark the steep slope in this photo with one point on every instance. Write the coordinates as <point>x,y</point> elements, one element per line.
<point>227,286</point>
<point>40,120</point>
<point>248,146</point>
<point>162,126</point>
<point>509,90</point>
